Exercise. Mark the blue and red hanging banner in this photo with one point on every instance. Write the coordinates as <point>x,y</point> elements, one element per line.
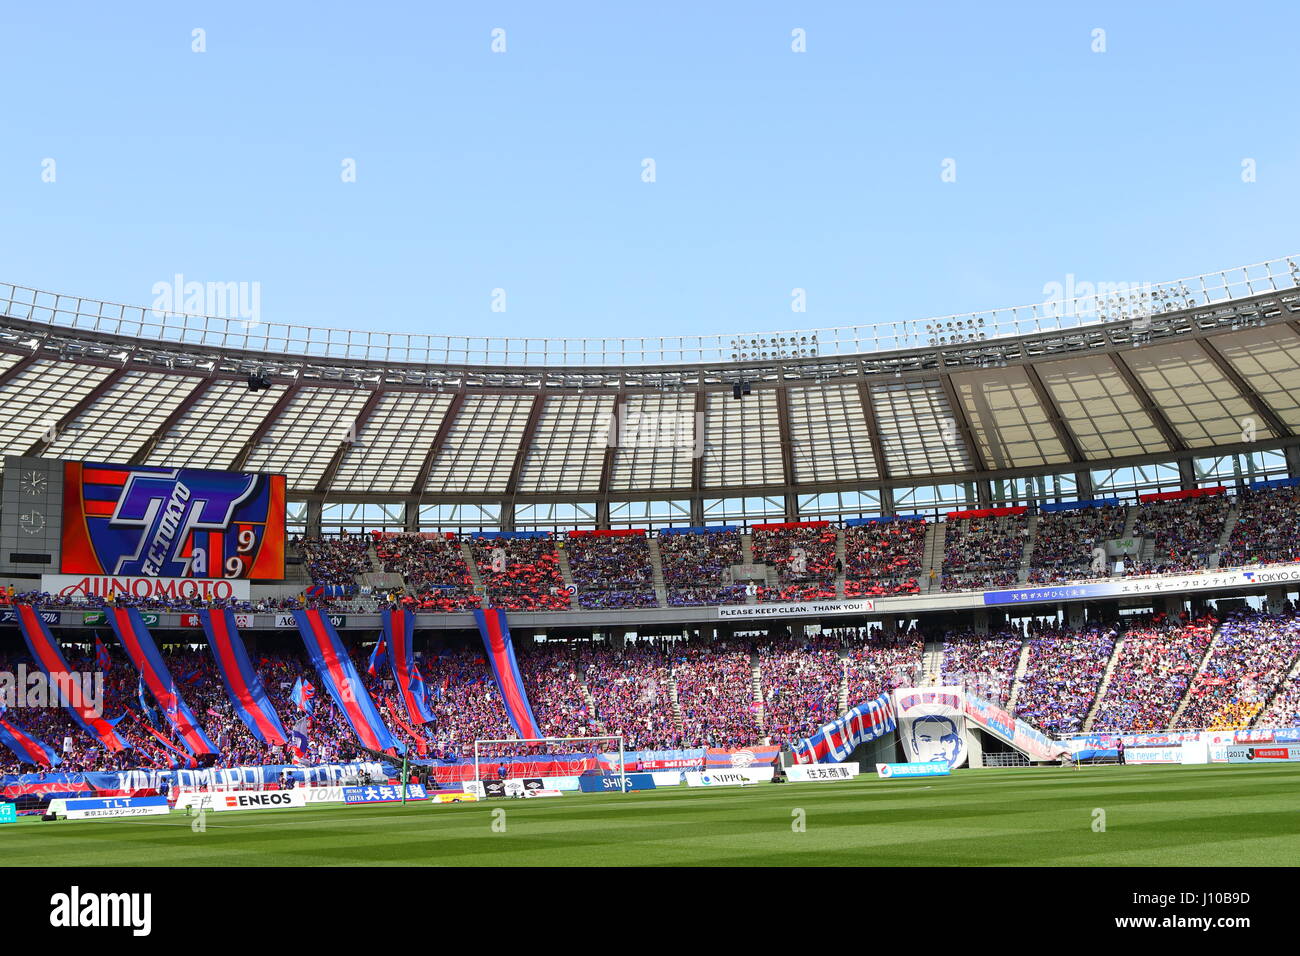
<point>501,655</point>
<point>148,660</point>
<point>399,633</point>
<point>26,747</point>
<point>49,658</point>
<point>833,742</point>
<point>343,682</point>
<point>243,686</point>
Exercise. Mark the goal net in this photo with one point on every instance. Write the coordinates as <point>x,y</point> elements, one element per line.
<point>550,757</point>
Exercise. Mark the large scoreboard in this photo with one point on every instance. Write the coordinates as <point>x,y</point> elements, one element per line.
<point>141,521</point>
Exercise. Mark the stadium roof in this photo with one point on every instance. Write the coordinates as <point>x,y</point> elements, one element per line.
<point>1200,366</point>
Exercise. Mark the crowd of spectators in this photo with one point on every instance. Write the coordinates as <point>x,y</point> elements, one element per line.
<point>520,574</point>
<point>715,694</point>
<point>432,567</point>
<point>1062,675</point>
<point>984,552</point>
<point>337,560</point>
<point>141,722</point>
<point>1253,654</point>
<point>630,689</point>
<point>878,663</point>
<point>1284,709</point>
<point>801,681</point>
<point>1267,530</point>
<point>697,567</point>
<point>883,558</point>
<point>1066,543</point>
<point>1185,533</point>
<point>803,557</point>
<point>611,571</point>
<point>1151,673</point>
<point>984,664</point>
<point>583,688</point>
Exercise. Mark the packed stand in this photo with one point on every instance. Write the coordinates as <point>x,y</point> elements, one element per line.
<point>1062,676</point>
<point>433,567</point>
<point>336,561</point>
<point>630,688</point>
<point>1151,674</point>
<point>800,686</point>
<point>715,693</point>
<point>1066,543</point>
<point>697,567</point>
<point>1284,709</point>
<point>879,663</point>
<point>804,559</point>
<point>611,571</point>
<point>883,557</point>
<point>521,574</point>
<point>1252,656</point>
<point>984,664</point>
<point>982,553</point>
<point>1185,533</point>
<point>1267,529</point>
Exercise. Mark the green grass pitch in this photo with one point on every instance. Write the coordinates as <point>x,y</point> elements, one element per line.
<point>1154,816</point>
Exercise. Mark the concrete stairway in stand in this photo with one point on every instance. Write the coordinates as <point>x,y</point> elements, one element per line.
<point>932,661</point>
<point>472,566</point>
<point>842,699</point>
<point>935,533</point>
<point>747,555</point>
<point>657,571</point>
<point>676,703</point>
<point>1229,523</point>
<point>1026,555</point>
<point>1022,665</point>
<point>841,557</point>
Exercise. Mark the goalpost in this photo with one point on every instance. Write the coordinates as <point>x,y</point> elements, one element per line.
<point>566,745</point>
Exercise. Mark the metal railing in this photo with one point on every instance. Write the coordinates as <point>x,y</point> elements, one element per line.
<point>1104,302</point>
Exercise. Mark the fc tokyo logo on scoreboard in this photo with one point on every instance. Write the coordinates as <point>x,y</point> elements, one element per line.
<point>171,522</point>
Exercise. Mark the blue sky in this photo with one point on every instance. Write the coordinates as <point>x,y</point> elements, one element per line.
<point>522,170</point>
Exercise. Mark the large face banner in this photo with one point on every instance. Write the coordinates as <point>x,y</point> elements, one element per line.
<point>931,724</point>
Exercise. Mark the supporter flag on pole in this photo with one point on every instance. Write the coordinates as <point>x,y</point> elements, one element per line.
<point>378,658</point>
<point>26,747</point>
<point>147,710</point>
<point>298,738</point>
<point>174,755</point>
<point>101,656</point>
<point>303,695</point>
<point>341,680</point>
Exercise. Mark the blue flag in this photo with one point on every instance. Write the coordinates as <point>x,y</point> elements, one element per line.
<point>378,658</point>
<point>144,703</point>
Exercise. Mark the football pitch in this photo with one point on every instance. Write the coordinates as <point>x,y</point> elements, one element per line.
<point>1214,815</point>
